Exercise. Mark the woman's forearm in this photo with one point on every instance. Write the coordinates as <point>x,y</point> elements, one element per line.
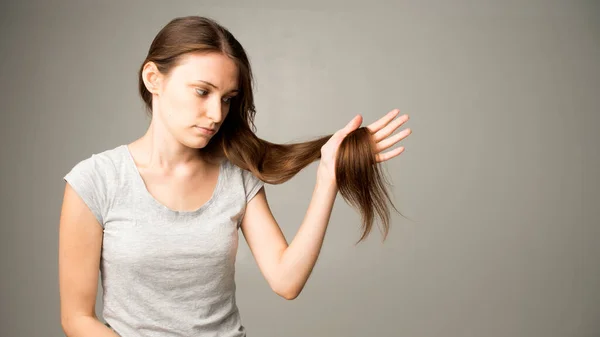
<point>86,326</point>
<point>298,260</point>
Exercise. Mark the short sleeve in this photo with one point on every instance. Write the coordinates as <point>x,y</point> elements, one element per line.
<point>251,184</point>
<point>87,178</point>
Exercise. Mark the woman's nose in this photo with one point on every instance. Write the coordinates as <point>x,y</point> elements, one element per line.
<point>215,112</point>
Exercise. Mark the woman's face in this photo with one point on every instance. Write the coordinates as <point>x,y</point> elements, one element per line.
<point>196,94</point>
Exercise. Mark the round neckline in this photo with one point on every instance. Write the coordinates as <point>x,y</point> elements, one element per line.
<point>142,185</point>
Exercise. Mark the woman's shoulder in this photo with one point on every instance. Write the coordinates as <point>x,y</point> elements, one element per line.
<point>103,163</point>
<point>113,153</point>
<point>94,179</point>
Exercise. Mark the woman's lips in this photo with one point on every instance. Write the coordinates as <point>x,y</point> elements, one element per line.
<point>205,130</point>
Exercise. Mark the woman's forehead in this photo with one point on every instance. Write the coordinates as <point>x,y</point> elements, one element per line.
<point>210,67</point>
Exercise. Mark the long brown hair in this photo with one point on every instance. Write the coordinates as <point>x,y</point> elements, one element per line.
<point>359,178</point>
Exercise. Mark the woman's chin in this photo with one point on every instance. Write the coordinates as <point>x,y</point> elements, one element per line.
<point>196,142</point>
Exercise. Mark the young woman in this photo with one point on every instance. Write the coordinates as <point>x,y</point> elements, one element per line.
<point>159,217</point>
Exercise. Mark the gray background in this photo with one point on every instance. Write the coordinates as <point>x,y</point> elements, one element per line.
<point>500,174</point>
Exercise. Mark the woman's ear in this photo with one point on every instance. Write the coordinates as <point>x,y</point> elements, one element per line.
<point>152,77</point>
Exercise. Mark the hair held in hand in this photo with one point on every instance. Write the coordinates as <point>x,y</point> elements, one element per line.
<point>359,178</point>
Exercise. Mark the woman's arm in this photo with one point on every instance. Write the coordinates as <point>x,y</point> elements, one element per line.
<point>298,260</point>
<point>287,267</point>
<point>80,243</point>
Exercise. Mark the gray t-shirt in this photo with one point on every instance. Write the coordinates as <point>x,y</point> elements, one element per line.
<point>165,272</point>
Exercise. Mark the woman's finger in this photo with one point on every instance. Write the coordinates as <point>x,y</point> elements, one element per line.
<point>390,141</point>
<point>352,125</point>
<point>381,157</point>
<point>383,121</point>
<point>389,128</point>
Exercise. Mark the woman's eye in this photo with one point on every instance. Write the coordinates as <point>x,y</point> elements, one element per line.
<point>204,93</point>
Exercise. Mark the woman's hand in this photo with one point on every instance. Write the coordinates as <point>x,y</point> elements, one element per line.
<point>381,131</point>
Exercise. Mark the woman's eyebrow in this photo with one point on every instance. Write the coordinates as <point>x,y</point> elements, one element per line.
<point>214,86</point>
